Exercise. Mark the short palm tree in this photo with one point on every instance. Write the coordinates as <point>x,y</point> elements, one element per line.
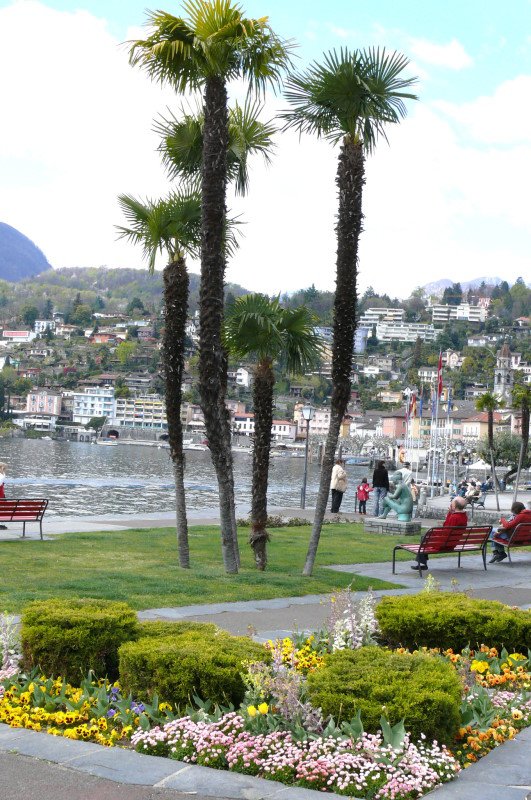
<point>489,402</point>
<point>348,99</point>
<point>521,397</point>
<point>260,329</point>
<point>172,226</point>
<point>205,50</point>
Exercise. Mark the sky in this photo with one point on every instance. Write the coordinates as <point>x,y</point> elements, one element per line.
<point>446,197</point>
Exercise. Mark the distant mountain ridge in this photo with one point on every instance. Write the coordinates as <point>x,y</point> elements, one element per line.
<point>19,257</point>
<point>438,287</point>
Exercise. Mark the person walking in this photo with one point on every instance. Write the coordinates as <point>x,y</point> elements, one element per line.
<point>455,518</point>
<point>338,485</point>
<point>414,489</point>
<point>3,470</point>
<point>362,493</point>
<point>380,485</point>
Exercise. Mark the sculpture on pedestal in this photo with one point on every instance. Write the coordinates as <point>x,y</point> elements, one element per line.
<point>400,501</point>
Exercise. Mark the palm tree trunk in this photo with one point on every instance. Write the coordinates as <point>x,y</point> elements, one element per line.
<point>350,180</point>
<point>175,313</point>
<point>212,363</point>
<point>264,380</point>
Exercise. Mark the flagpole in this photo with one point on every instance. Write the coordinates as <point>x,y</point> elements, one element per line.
<point>438,395</point>
<point>430,449</point>
<point>447,437</point>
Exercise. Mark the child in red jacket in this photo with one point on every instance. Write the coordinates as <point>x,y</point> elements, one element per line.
<point>362,493</point>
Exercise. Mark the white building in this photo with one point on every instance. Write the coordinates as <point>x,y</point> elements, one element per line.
<point>360,339</point>
<point>441,314</point>
<point>93,402</point>
<point>18,337</point>
<point>405,332</point>
<point>148,411</point>
<point>281,429</point>
<point>42,325</point>
<point>427,374</point>
<point>240,377</point>
<point>372,316</point>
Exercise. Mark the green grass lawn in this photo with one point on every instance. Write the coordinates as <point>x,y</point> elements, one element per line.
<point>141,566</point>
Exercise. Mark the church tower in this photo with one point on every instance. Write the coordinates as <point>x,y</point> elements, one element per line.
<point>503,374</point>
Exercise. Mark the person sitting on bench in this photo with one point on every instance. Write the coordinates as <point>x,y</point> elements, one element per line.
<point>520,514</point>
<point>456,518</point>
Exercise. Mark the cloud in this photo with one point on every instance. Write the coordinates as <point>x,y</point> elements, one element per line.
<point>452,55</point>
<point>446,198</point>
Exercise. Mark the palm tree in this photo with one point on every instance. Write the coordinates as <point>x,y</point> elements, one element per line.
<point>259,328</point>
<point>521,397</point>
<point>174,226</point>
<point>489,402</point>
<point>204,51</point>
<point>348,99</point>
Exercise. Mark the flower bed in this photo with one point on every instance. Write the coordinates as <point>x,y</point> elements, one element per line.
<point>277,733</point>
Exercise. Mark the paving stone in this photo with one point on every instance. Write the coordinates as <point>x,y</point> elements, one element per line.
<point>216,783</point>
<point>126,766</point>
<point>51,748</point>
<point>476,790</point>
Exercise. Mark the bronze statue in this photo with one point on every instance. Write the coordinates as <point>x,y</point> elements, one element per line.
<point>400,501</point>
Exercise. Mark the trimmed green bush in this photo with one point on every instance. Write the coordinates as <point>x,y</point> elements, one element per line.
<point>447,619</point>
<point>69,637</point>
<point>195,661</point>
<point>157,629</point>
<point>422,690</point>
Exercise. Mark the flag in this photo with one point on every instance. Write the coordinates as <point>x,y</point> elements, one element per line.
<point>421,404</point>
<point>450,403</point>
<point>433,402</point>
<point>413,405</point>
<point>439,375</point>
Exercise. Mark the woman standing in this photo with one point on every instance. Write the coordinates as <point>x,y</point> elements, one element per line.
<point>338,484</point>
<point>380,484</point>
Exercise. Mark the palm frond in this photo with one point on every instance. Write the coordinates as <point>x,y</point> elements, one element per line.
<point>302,348</point>
<point>350,93</point>
<point>251,327</point>
<point>181,144</point>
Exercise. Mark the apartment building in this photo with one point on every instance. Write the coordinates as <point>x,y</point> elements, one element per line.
<point>372,316</point>
<point>442,314</point>
<point>148,411</point>
<point>42,401</point>
<point>281,429</point>
<point>94,401</point>
<point>405,332</point>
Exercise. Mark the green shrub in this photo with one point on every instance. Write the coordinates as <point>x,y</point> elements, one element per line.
<point>69,637</point>
<point>446,619</point>
<point>195,661</point>
<point>149,629</point>
<point>422,690</point>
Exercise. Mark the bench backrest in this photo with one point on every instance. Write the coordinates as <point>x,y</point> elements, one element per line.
<point>521,534</point>
<point>23,508</point>
<point>445,539</point>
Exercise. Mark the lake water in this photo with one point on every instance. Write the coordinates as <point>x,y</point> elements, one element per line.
<point>86,479</point>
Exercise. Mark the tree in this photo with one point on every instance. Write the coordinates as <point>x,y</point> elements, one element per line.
<point>348,99</point>
<point>259,328</point>
<point>125,351</point>
<point>507,448</point>
<point>29,315</point>
<point>136,304</point>
<point>453,295</point>
<point>521,397</point>
<point>489,402</point>
<point>213,46</point>
<point>171,225</point>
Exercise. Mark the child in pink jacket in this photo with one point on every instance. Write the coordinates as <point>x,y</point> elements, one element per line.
<point>362,493</point>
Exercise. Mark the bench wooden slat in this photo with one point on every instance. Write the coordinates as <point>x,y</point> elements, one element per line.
<point>23,510</point>
<point>449,540</point>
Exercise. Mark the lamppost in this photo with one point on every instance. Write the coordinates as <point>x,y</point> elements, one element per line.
<point>307,414</point>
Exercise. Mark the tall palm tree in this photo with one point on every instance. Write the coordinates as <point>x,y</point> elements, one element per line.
<point>173,226</point>
<point>347,99</point>
<point>521,397</point>
<point>489,402</point>
<point>259,328</point>
<point>213,45</point>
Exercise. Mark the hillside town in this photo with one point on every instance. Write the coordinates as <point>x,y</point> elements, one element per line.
<point>90,375</point>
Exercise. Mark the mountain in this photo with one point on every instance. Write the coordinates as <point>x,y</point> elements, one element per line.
<point>19,257</point>
<point>437,287</point>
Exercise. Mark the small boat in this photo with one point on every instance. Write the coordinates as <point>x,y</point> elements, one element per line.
<point>107,442</point>
<point>195,446</point>
<point>359,461</point>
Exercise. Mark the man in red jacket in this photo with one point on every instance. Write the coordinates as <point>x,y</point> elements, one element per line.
<point>456,518</point>
<point>521,514</point>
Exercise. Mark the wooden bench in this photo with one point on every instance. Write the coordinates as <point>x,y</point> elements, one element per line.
<point>25,510</point>
<point>520,537</point>
<point>449,540</point>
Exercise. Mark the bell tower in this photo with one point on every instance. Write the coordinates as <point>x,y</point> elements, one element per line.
<point>503,374</point>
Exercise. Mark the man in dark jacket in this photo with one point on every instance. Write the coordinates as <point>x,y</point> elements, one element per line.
<point>380,485</point>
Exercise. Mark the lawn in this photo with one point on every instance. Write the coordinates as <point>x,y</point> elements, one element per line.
<point>141,566</point>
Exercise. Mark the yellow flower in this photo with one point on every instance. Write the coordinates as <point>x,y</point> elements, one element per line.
<point>516,714</point>
<point>251,710</point>
<point>479,666</point>
<point>263,708</point>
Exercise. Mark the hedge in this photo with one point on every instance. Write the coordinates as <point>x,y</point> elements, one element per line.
<point>194,661</point>
<point>447,619</point>
<point>69,637</point>
<point>421,689</point>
